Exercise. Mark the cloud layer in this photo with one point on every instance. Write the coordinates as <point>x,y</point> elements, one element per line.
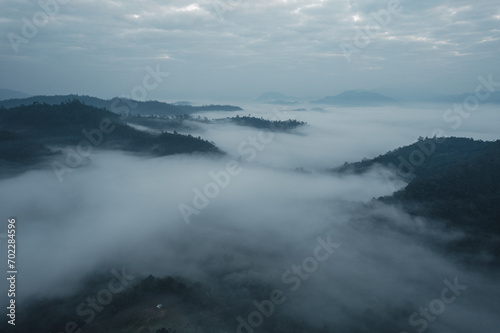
<point>247,47</point>
<point>122,211</point>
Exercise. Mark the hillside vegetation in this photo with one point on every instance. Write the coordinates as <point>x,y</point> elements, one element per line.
<point>28,132</point>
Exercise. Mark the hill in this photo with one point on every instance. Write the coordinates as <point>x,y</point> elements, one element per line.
<point>356,98</point>
<point>187,307</point>
<point>27,132</point>
<point>11,94</point>
<point>189,123</point>
<point>455,180</point>
<point>120,105</point>
<point>260,123</point>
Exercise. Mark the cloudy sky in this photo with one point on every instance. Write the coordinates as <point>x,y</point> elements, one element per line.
<point>237,49</point>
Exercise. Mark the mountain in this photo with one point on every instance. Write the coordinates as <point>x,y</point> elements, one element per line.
<point>189,123</point>
<point>275,98</point>
<point>31,133</point>
<point>260,123</point>
<point>11,94</point>
<point>120,105</point>
<point>188,307</point>
<point>356,98</point>
<point>455,180</point>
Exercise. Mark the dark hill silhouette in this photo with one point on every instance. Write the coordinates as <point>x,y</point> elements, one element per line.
<point>261,123</point>
<point>356,98</point>
<point>10,94</point>
<point>188,123</point>
<point>26,132</point>
<point>120,105</point>
<point>455,181</point>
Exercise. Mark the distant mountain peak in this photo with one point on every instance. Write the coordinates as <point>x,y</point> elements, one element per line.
<point>120,105</point>
<point>356,97</point>
<point>12,94</point>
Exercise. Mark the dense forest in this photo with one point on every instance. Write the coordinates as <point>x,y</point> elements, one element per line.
<point>188,122</point>
<point>123,106</point>
<point>454,180</point>
<point>191,306</point>
<point>27,132</point>
<point>261,123</point>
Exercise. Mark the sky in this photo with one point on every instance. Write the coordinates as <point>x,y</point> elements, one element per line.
<point>237,49</point>
<point>270,216</point>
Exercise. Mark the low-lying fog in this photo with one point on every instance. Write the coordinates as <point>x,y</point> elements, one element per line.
<point>124,211</point>
<point>336,135</point>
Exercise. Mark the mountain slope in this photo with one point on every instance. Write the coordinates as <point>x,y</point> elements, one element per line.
<point>356,98</point>
<point>455,180</point>
<point>120,105</point>
<point>26,132</point>
<point>10,94</point>
<point>187,307</point>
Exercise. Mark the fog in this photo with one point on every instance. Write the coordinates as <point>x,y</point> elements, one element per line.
<point>336,135</point>
<point>122,210</point>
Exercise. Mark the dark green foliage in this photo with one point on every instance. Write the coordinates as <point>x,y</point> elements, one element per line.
<point>44,121</point>
<point>167,123</point>
<point>458,181</point>
<point>132,308</point>
<point>26,132</point>
<point>16,149</point>
<point>466,193</point>
<point>211,107</point>
<point>121,105</point>
<point>164,330</point>
<point>187,122</point>
<point>262,123</point>
<point>46,315</point>
<point>447,152</point>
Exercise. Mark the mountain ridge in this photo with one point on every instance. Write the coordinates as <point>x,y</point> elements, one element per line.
<point>356,98</point>
<point>122,106</point>
<point>27,132</point>
<point>6,94</point>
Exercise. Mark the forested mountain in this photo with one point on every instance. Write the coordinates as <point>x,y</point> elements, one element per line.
<point>421,158</point>
<point>27,132</point>
<point>458,182</point>
<point>260,123</point>
<point>455,180</point>
<point>187,122</point>
<point>120,105</point>
<point>190,306</point>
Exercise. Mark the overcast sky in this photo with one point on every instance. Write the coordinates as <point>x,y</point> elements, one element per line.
<point>231,49</point>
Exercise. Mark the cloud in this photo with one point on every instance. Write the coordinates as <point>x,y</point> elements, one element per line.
<point>99,48</point>
<point>122,211</point>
